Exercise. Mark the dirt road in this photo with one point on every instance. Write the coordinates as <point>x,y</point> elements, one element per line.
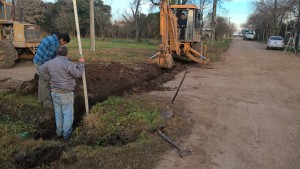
<point>23,71</point>
<point>245,111</point>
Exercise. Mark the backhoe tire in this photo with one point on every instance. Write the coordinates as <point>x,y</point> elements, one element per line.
<point>8,54</point>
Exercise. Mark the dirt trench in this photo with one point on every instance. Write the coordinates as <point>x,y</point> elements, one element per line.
<point>105,81</point>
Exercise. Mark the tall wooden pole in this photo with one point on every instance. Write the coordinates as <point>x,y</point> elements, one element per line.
<point>81,55</point>
<point>92,26</point>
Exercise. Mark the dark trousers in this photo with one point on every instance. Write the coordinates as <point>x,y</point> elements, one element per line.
<point>182,33</point>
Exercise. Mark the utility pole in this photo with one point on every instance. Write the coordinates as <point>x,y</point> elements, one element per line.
<point>92,26</point>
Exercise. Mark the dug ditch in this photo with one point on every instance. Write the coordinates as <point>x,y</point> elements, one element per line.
<point>103,81</point>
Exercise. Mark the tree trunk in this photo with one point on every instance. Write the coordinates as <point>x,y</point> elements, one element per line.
<point>213,22</point>
<point>275,17</point>
<point>298,27</point>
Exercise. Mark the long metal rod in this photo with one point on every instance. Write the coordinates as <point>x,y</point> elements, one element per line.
<point>86,101</point>
<point>179,86</point>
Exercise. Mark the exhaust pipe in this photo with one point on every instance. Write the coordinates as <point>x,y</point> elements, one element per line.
<point>13,11</point>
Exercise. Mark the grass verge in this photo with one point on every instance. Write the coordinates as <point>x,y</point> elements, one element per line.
<point>216,49</point>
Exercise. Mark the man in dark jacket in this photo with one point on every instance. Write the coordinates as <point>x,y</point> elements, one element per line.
<point>182,21</point>
<point>62,73</point>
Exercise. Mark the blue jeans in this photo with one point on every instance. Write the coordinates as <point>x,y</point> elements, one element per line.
<point>64,113</point>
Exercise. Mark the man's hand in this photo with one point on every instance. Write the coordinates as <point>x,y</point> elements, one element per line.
<point>81,59</point>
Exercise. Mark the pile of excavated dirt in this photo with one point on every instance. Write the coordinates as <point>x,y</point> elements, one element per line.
<point>116,79</point>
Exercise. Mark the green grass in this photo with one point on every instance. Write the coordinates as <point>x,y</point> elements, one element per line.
<point>19,100</point>
<point>19,115</point>
<point>114,43</point>
<point>131,119</point>
<point>21,106</point>
<point>108,50</point>
<point>216,49</point>
<point>129,51</point>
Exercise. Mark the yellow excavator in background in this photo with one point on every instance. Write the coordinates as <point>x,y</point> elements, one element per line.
<point>18,40</point>
<point>189,46</point>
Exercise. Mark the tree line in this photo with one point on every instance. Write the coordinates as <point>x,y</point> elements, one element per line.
<point>59,16</point>
<point>274,17</point>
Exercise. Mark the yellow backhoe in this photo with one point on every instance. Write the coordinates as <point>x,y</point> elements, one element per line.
<point>187,46</point>
<point>18,40</point>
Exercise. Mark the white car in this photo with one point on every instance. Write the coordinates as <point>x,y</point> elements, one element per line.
<point>275,42</point>
<point>249,35</point>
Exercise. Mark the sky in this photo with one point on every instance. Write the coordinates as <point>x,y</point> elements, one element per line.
<point>237,10</point>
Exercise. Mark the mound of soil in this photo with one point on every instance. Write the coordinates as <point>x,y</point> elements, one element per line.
<point>116,79</point>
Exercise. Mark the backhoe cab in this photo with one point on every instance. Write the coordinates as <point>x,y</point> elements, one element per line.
<point>180,35</point>
<point>18,40</point>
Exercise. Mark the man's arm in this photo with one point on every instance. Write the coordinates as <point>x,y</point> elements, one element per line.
<point>76,70</point>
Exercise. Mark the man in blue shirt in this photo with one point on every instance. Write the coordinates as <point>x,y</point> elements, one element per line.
<point>62,73</point>
<point>45,52</point>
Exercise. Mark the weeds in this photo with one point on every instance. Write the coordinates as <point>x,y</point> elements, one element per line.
<point>216,49</point>
<point>126,119</point>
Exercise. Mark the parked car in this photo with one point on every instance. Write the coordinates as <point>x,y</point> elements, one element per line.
<point>275,42</point>
<point>249,36</point>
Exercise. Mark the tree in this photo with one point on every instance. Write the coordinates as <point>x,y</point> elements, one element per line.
<point>135,15</point>
<point>202,5</point>
<point>102,19</point>
<point>297,13</point>
<point>269,16</point>
<point>61,16</point>
<point>31,11</point>
<point>222,28</point>
<point>213,21</point>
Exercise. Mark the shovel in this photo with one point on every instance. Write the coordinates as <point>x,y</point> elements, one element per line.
<point>186,72</point>
<point>182,153</point>
<point>167,113</point>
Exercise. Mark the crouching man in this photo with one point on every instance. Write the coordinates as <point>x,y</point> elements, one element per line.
<point>62,73</point>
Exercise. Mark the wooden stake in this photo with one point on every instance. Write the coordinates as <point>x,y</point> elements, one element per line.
<point>86,101</point>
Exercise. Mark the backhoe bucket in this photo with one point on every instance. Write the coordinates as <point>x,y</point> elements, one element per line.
<point>162,60</point>
<point>165,61</point>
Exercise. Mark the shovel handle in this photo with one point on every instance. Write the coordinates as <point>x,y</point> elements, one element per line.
<point>179,86</point>
<point>169,140</point>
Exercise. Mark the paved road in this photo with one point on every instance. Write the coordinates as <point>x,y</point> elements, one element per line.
<point>245,111</point>
<point>23,70</point>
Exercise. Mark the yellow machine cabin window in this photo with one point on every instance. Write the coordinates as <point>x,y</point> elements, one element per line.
<point>1,11</point>
<point>8,12</point>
